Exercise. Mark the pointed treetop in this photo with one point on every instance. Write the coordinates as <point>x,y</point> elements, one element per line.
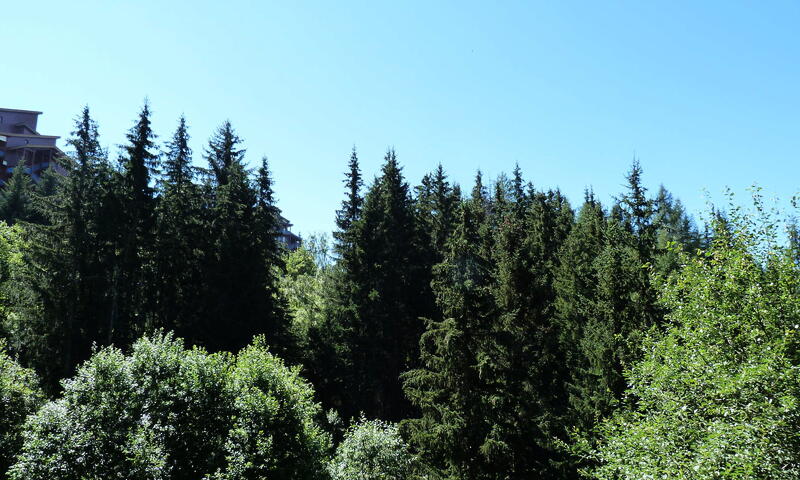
<point>517,185</point>
<point>141,153</point>
<point>588,195</point>
<point>223,153</point>
<point>390,161</point>
<point>85,140</point>
<point>178,170</point>
<point>479,191</point>
<point>264,183</point>
<point>637,209</point>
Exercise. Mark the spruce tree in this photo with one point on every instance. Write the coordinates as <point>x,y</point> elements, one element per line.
<point>637,210</point>
<point>242,300</point>
<point>449,387</point>
<point>229,322</point>
<point>268,222</point>
<point>637,217</point>
<point>624,312</point>
<point>70,257</point>
<point>49,179</point>
<point>380,316</point>
<point>350,213</point>
<point>490,386</point>
<point>577,313</point>
<point>16,198</point>
<point>675,231</point>
<point>436,205</point>
<point>330,359</point>
<point>527,413</point>
<point>178,287</point>
<point>134,233</point>
<point>223,152</point>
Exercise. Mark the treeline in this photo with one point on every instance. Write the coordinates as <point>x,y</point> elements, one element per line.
<point>118,249</point>
<point>491,324</point>
<point>495,333</point>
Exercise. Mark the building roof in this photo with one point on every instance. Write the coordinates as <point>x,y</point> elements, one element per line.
<point>19,111</point>
<point>33,135</point>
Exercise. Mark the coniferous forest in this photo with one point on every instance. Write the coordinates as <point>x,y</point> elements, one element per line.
<point>153,326</point>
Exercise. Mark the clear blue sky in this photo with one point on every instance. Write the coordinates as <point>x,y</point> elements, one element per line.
<point>704,93</point>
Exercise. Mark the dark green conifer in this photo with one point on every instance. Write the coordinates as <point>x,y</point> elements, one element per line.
<point>350,213</point>
<point>135,205</point>
<point>380,316</point>
<point>674,231</point>
<point>67,304</point>
<point>436,206</point>
<point>244,259</point>
<point>449,387</point>
<point>178,286</point>
<point>16,198</point>
<point>223,152</point>
<point>577,312</point>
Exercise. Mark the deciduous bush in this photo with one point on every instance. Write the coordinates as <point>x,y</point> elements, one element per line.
<point>164,412</point>
<point>20,396</point>
<point>718,395</point>
<point>372,450</point>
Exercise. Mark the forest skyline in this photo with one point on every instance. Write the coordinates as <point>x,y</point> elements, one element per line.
<point>551,240</point>
<point>700,94</point>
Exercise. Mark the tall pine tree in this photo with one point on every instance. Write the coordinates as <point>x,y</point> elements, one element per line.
<point>178,287</point>
<point>379,317</point>
<point>242,296</point>
<point>135,204</point>
<point>450,386</point>
<point>69,260</point>
<point>16,198</point>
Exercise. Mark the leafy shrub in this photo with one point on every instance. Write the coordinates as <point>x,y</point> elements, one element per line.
<point>20,396</point>
<point>165,412</point>
<point>718,395</point>
<point>372,450</point>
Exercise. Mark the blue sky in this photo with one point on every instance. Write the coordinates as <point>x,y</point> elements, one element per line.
<point>704,93</point>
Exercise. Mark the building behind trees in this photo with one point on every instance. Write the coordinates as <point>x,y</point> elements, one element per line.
<point>22,144</point>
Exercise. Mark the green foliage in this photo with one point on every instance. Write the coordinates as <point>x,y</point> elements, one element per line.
<point>62,305</point>
<point>372,450</point>
<point>381,291</point>
<point>16,198</point>
<point>489,386</point>
<point>133,200</point>
<point>525,408</point>
<point>180,246</point>
<point>450,387</point>
<point>167,412</point>
<point>716,395</point>
<point>300,262</point>
<point>304,288</point>
<point>584,337</point>
<point>223,152</point>
<point>11,262</point>
<point>125,251</point>
<point>242,255</point>
<point>606,295</point>
<point>491,327</point>
<point>436,203</point>
<point>350,213</point>
<point>20,396</point>
<point>674,229</point>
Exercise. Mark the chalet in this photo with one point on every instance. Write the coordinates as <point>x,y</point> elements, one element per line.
<point>21,144</point>
<point>289,239</point>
